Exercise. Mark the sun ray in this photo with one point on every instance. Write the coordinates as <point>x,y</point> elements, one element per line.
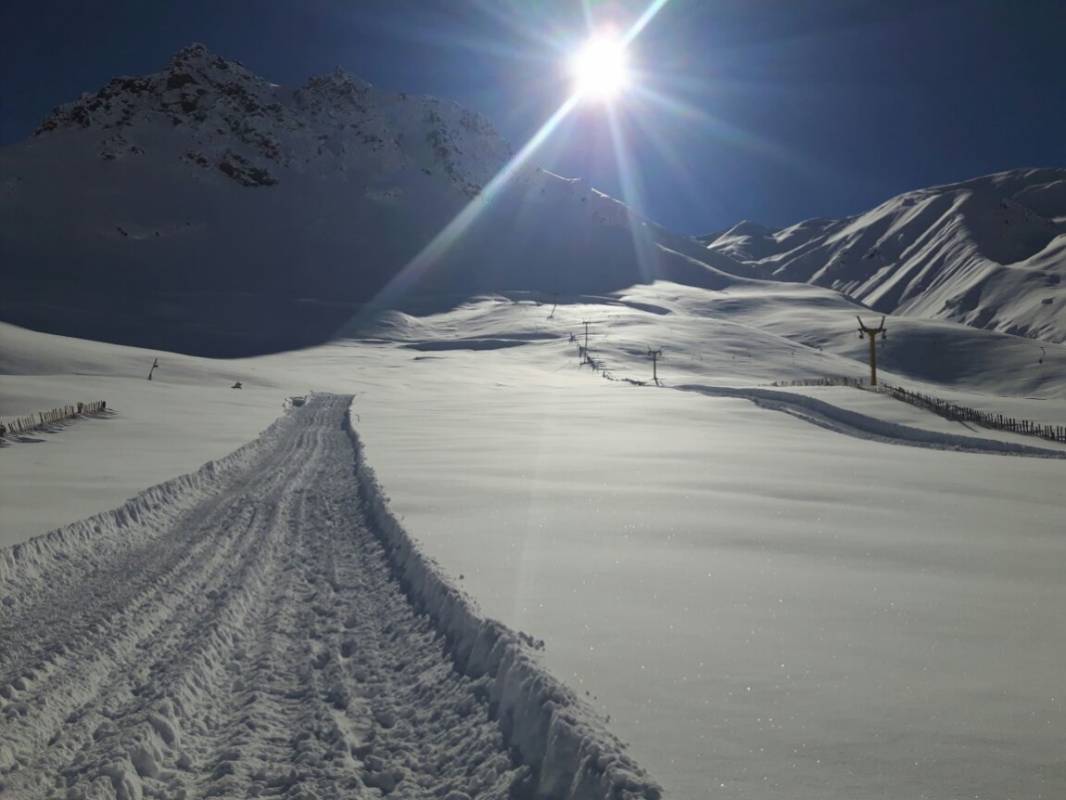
<point>465,218</point>
<point>643,248</point>
<point>728,133</point>
<point>536,33</point>
<point>439,245</point>
<point>642,21</point>
<point>680,171</point>
<point>667,152</point>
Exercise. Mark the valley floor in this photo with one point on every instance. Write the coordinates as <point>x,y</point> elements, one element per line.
<point>767,605</point>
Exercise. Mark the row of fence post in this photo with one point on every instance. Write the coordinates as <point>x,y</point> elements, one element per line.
<point>32,422</point>
<point>944,408</point>
<point>949,410</point>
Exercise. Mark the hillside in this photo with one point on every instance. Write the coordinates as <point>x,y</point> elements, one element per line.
<point>988,252</point>
<point>205,209</point>
<point>772,588</point>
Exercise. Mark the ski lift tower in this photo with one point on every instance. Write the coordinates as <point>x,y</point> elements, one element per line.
<point>871,333</point>
<point>585,348</point>
<point>655,355</point>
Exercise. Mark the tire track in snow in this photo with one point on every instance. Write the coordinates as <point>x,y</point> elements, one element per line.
<point>115,624</point>
<point>258,632</point>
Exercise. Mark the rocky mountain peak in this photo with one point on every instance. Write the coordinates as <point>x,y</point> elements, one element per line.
<point>217,114</point>
<point>193,53</point>
<point>339,83</point>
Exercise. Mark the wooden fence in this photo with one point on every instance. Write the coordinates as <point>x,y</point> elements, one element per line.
<point>858,383</point>
<point>944,408</point>
<point>18,425</point>
<point>953,411</point>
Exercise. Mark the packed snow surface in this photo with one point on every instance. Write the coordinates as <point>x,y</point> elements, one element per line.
<point>263,627</point>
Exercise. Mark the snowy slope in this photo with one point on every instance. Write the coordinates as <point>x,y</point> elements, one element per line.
<point>204,209</point>
<point>800,605</point>
<point>989,252</point>
<point>745,241</point>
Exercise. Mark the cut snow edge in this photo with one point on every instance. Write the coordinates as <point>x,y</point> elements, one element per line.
<point>573,755</point>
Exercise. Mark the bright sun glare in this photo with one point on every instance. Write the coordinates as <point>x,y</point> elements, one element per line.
<point>599,68</point>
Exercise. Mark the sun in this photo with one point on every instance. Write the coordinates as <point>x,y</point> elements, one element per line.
<point>599,68</point>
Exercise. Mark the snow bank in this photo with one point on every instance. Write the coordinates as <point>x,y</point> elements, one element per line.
<point>95,539</point>
<point>571,751</point>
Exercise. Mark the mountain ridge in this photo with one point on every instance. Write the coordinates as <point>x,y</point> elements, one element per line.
<point>988,252</point>
<point>204,209</point>
<point>216,97</point>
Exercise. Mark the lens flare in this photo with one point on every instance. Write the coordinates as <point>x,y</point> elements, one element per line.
<point>599,68</point>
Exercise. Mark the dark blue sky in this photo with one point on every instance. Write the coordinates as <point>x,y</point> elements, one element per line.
<point>803,107</point>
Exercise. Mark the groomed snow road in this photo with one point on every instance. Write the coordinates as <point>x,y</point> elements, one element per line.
<point>264,628</point>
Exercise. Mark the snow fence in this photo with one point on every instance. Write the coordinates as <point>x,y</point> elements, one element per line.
<point>573,754</point>
<point>853,423</point>
<point>32,422</point>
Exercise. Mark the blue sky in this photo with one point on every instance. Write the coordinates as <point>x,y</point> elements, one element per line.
<point>775,110</point>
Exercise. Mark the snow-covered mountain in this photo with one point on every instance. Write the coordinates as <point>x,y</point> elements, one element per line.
<point>204,209</point>
<point>988,252</point>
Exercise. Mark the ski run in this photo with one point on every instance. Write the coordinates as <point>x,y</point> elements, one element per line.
<point>263,627</point>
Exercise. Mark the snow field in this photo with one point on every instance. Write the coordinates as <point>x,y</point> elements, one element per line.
<point>161,429</point>
<point>674,550</point>
<point>764,607</point>
<point>572,753</point>
<point>254,640</point>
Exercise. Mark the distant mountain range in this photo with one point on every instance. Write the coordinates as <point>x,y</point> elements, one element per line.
<point>989,252</point>
<point>204,209</point>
